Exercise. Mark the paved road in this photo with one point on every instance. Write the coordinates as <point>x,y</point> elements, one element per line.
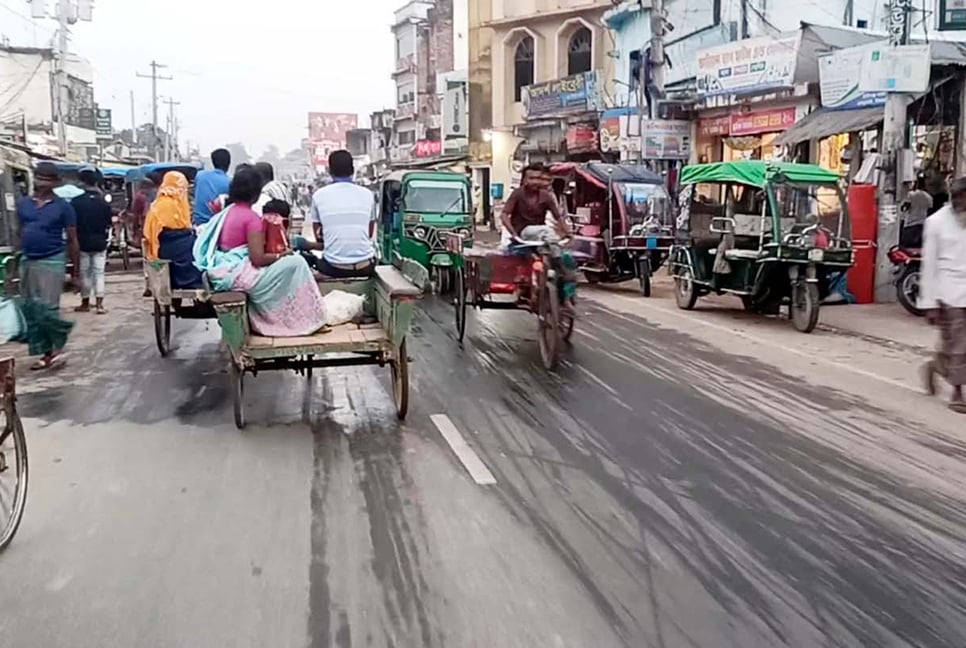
<point>663,489</point>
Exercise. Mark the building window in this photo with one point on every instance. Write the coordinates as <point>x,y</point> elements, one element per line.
<point>407,137</point>
<point>580,52</point>
<point>634,80</point>
<point>522,67</point>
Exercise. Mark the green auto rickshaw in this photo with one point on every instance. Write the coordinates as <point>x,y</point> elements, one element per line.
<point>418,210</point>
<point>769,233</point>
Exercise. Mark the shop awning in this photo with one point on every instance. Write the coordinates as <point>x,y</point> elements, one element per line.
<point>822,123</point>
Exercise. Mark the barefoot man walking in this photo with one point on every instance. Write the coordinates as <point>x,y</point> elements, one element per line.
<point>943,291</point>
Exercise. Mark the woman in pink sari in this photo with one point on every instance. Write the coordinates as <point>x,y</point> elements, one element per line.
<point>283,297</point>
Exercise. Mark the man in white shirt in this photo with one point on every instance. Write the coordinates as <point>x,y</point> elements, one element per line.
<point>344,217</point>
<point>942,291</point>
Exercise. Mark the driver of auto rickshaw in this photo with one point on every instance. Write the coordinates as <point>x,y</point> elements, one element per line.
<point>525,218</point>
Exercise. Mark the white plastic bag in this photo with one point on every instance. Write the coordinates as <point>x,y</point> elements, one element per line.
<point>342,307</point>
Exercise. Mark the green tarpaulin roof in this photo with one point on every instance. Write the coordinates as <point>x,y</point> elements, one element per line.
<point>755,172</point>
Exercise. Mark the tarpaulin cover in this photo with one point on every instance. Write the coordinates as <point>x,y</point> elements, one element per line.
<point>756,173</point>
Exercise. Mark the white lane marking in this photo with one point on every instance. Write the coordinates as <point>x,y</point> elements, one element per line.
<point>730,331</point>
<point>467,456</point>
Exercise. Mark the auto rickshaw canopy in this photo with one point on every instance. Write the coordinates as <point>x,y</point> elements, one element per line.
<point>757,173</point>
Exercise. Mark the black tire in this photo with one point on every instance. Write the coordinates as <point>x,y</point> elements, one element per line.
<point>907,290</point>
<point>15,468</point>
<point>804,305</point>
<point>400,381</point>
<point>748,302</point>
<point>162,328</point>
<point>685,294</point>
<point>548,321</point>
<point>644,276</point>
<point>442,281</point>
<point>459,304</point>
<point>238,395</point>
<point>594,278</point>
<point>125,257</point>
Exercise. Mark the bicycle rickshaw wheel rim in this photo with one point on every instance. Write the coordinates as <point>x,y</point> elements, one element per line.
<point>21,472</point>
<point>399,369</point>
<point>549,334</point>
<point>162,328</point>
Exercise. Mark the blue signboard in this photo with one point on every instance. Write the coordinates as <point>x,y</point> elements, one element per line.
<point>567,96</point>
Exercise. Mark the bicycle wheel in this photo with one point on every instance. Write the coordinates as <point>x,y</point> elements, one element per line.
<point>13,476</point>
<point>459,303</point>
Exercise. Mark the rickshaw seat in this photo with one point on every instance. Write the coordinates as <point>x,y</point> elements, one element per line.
<point>736,253</point>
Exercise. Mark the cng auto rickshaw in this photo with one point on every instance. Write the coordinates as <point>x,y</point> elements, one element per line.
<point>16,181</point>
<point>622,216</point>
<point>770,233</point>
<point>417,210</point>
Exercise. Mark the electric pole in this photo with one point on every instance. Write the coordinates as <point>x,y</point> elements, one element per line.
<point>134,123</point>
<point>60,100</point>
<point>155,66</point>
<point>893,142</point>
<point>170,144</point>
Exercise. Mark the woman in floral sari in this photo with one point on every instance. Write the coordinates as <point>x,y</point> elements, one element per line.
<point>283,297</point>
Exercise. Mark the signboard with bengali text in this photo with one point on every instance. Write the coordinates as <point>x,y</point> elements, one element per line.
<point>749,66</point>
<point>567,96</point>
<point>759,123</point>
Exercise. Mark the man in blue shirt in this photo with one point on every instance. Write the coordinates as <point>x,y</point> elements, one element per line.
<point>209,185</point>
<point>48,230</point>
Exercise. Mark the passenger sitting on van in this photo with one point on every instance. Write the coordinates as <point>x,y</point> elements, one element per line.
<point>168,233</point>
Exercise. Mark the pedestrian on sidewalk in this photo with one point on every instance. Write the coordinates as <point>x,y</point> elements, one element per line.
<point>48,232</point>
<point>93,225</point>
<point>942,292</point>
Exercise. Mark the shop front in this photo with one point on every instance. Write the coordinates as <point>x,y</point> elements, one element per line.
<point>561,120</point>
<point>745,133</point>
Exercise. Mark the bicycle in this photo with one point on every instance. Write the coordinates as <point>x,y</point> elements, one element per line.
<point>13,457</point>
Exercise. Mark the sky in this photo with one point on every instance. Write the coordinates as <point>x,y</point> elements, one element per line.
<point>246,72</point>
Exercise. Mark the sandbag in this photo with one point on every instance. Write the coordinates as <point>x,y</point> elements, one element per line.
<point>342,307</point>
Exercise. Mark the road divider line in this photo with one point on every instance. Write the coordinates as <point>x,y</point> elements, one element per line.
<point>467,456</point>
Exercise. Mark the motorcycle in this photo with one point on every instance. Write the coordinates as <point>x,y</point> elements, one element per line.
<point>906,264</point>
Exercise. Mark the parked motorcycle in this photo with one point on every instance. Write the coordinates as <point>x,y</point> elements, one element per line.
<point>906,263</point>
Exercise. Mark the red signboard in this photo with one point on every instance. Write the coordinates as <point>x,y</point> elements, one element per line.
<point>428,148</point>
<point>327,133</point>
<point>756,123</point>
<point>581,138</point>
<point>714,127</point>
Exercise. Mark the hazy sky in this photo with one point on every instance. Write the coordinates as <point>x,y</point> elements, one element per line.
<point>240,73</point>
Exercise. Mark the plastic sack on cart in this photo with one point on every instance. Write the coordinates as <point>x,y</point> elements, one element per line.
<point>342,307</point>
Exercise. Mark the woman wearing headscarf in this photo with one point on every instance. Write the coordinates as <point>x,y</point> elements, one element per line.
<point>168,233</point>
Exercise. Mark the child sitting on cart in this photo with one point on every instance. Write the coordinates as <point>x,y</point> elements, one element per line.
<point>525,218</point>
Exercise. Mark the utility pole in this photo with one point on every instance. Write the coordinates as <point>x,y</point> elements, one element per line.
<point>170,143</point>
<point>155,66</point>
<point>60,75</point>
<point>134,123</point>
<point>893,142</point>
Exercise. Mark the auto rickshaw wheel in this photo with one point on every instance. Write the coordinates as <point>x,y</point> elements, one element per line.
<point>804,305</point>
<point>685,293</point>
<point>644,276</point>
<point>442,280</point>
<point>162,328</point>
<point>399,367</point>
<point>459,303</point>
<point>548,317</point>
<point>238,394</point>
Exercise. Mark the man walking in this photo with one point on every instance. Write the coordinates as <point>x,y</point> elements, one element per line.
<point>942,293</point>
<point>93,224</point>
<point>343,214</point>
<point>209,185</point>
<point>48,231</point>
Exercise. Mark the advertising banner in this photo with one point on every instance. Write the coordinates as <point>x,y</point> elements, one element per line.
<point>758,123</point>
<point>570,95</point>
<point>839,73</point>
<point>428,148</point>
<point>749,66</point>
<point>581,138</point>
<point>891,68</point>
<point>103,123</point>
<point>327,133</point>
<point>714,127</point>
<point>455,116</point>
<point>80,110</point>
<point>666,139</point>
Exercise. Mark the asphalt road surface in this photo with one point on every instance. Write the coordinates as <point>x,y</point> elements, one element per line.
<point>666,488</point>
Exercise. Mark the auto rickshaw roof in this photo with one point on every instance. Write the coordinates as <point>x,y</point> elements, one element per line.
<point>189,169</point>
<point>421,174</point>
<point>599,172</point>
<point>115,172</point>
<point>756,173</point>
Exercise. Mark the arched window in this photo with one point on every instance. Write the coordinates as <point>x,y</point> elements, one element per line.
<point>580,52</point>
<point>522,67</point>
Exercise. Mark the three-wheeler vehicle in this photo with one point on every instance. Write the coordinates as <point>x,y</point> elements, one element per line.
<point>527,274</point>
<point>417,210</point>
<point>16,181</point>
<point>390,299</point>
<point>623,219</point>
<point>770,233</point>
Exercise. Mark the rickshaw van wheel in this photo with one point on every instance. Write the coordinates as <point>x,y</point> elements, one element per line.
<point>400,381</point>
<point>644,276</point>
<point>549,335</point>
<point>685,293</point>
<point>238,395</point>
<point>804,305</point>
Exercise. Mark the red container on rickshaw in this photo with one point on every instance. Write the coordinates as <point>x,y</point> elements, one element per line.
<point>622,216</point>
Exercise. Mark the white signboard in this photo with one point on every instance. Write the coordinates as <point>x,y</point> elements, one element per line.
<point>666,139</point>
<point>749,66</point>
<point>903,68</point>
<point>839,73</point>
<point>455,117</point>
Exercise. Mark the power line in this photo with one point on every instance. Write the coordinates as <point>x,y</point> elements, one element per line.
<point>155,66</point>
